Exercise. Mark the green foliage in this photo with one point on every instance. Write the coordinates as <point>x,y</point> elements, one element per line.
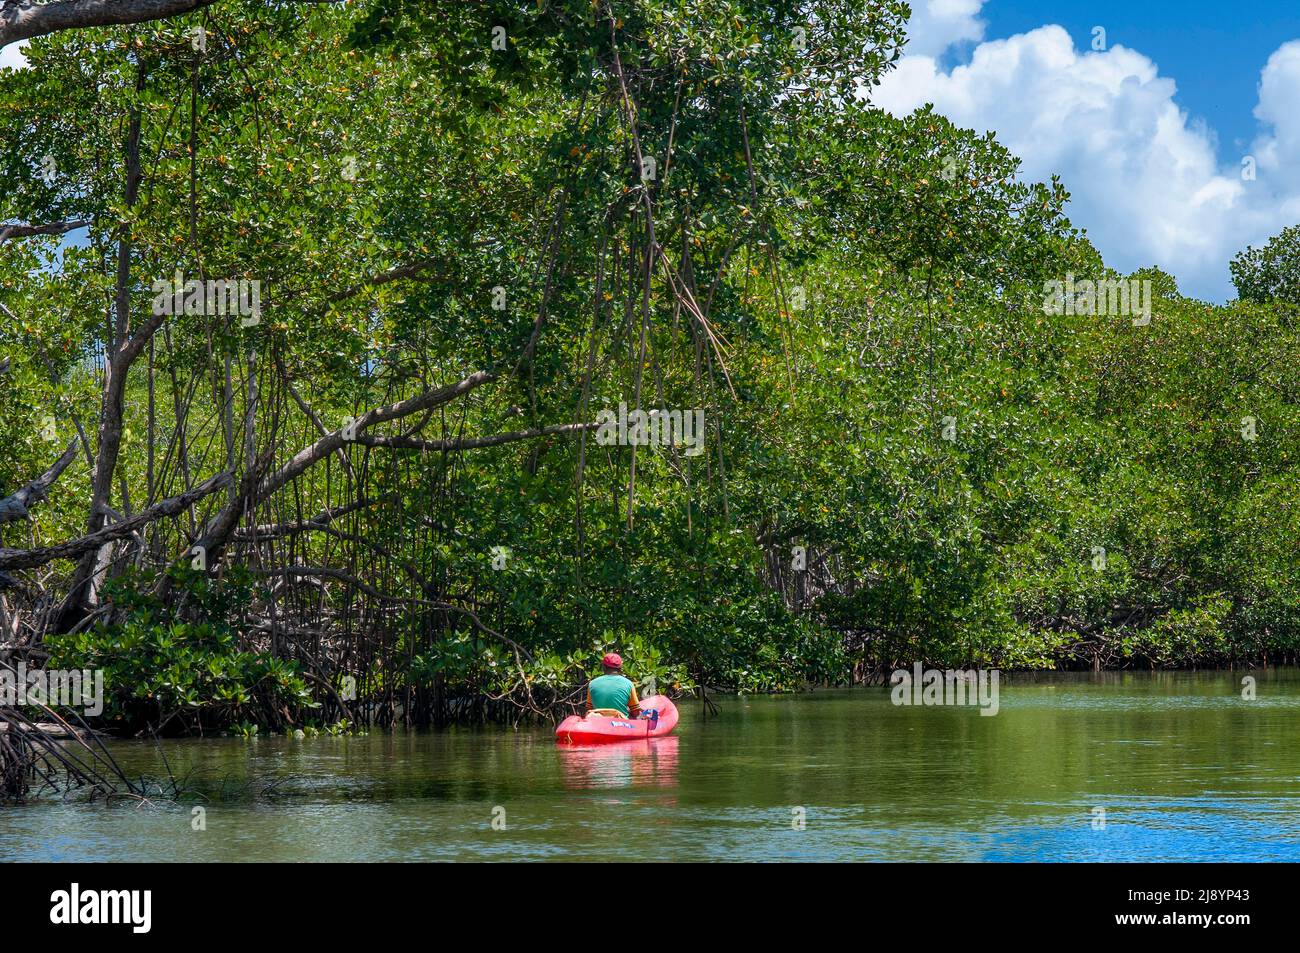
<point>1271,273</point>
<point>166,672</point>
<point>1166,449</point>
<point>918,254</point>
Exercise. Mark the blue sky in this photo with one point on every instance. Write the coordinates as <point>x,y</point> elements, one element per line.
<point>1212,50</point>
<point>1151,134</point>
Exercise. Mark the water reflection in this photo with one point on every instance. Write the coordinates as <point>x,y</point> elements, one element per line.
<point>1184,767</point>
<point>649,762</point>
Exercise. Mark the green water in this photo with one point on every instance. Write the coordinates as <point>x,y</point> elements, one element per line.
<point>1181,765</point>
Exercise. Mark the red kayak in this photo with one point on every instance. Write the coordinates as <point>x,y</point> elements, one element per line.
<point>595,728</point>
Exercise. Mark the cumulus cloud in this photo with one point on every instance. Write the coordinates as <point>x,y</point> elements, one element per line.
<point>1278,84</point>
<point>1144,178</point>
<point>938,24</point>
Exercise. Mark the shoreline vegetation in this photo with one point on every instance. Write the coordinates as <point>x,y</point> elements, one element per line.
<point>475,235</point>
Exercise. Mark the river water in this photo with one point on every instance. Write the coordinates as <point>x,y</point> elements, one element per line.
<point>1119,766</point>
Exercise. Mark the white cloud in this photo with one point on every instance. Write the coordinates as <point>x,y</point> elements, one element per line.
<point>938,24</point>
<point>1278,85</point>
<point>1145,180</point>
<point>12,56</point>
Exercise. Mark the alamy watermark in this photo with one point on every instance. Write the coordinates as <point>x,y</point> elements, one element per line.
<point>69,688</point>
<point>74,906</point>
<point>933,686</point>
<point>176,296</point>
<point>660,428</point>
<point>1109,297</point>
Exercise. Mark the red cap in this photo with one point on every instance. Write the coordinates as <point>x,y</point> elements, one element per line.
<point>613,660</point>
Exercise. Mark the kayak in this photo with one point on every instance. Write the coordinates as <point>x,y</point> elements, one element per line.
<point>594,728</point>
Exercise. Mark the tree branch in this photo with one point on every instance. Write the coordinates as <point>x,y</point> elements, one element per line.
<point>25,19</point>
<point>409,270</point>
<point>223,525</point>
<point>30,558</point>
<point>470,443</point>
<point>25,230</point>
<point>331,573</point>
<point>14,506</point>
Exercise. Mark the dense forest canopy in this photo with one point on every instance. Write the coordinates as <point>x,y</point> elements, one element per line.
<point>308,313</point>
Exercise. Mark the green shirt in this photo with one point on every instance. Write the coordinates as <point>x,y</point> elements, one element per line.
<point>612,691</point>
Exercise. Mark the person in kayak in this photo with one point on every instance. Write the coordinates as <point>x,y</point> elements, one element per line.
<point>613,691</point>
